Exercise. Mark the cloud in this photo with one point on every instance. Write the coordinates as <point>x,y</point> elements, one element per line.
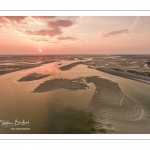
<point>45,32</point>
<point>135,23</point>
<point>66,46</point>
<point>53,42</point>
<point>42,17</point>
<point>59,23</point>
<point>44,40</point>
<point>147,20</point>
<point>67,38</point>
<point>40,40</point>
<point>3,20</point>
<point>12,19</point>
<point>115,33</point>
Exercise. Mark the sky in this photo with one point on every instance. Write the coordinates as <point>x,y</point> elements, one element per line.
<point>74,35</point>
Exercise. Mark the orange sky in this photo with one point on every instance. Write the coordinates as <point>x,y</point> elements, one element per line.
<point>74,35</point>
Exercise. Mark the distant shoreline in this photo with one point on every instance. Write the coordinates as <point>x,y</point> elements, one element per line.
<point>125,75</point>
<point>1,55</point>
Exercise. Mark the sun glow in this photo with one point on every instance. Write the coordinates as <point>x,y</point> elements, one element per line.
<point>40,50</point>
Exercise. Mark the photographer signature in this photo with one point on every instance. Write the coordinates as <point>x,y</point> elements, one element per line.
<point>15,123</point>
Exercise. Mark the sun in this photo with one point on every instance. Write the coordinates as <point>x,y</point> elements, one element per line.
<point>40,50</point>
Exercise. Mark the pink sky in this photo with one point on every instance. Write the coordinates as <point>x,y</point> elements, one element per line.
<point>74,35</point>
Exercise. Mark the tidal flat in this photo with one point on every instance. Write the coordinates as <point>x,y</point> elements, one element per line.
<point>75,94</point>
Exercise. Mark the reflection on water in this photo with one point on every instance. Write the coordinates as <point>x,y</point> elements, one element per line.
<point>104,107</point>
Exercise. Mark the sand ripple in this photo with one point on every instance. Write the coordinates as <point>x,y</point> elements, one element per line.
<point>111,105</point>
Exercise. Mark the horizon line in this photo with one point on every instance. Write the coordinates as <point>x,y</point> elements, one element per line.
<point>75,54</point>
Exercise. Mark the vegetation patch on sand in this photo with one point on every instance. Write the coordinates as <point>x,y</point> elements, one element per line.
<point>33,76</point>
<point>67,67</point>
<point>117,69</point>
<point>70,84</point>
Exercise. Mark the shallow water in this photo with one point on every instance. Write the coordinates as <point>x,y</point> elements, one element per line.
<point>111,104</point>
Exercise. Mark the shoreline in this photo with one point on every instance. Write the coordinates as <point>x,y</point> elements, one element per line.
<point>125,75</point>
<point>20,67</point>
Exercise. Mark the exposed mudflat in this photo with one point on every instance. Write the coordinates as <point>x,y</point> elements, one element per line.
<point>70,84</point>
<point>33,76</point>
<point>110,103</point>
<point>76,94</point>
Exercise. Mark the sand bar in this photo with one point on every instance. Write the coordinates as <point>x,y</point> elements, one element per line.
<point>33,76</point>
<point>125,75</point>
<point>70,84</point>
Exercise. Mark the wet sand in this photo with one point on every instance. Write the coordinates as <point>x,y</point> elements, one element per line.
<point>10,64</point>
<point>109,100</point>
<point>78,99</point>
<point>9,69</point>
<point>68,120</point>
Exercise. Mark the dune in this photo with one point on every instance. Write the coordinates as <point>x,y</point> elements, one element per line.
<point>33,76</point>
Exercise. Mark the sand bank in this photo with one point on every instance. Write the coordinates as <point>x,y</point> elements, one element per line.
<point>113,108</point>
<point>70,84</point>
<point>33,76</point>
<point>67,67</point>
<point>4,69</point>
<point>147,74</point>
<point>127,75</point>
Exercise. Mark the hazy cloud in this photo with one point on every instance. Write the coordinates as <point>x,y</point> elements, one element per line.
<point>59,23</point>
<point>53,42</point>
<point>45,32</point>
<point>45,41</point>
<point>115,33</point>
<point>40,40</point>
<point>147,20</point>
<point>66,38</point>
<point>12,19</point>
<point>20,19</point>
<point>43,17</point>
<point>135,23</point>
